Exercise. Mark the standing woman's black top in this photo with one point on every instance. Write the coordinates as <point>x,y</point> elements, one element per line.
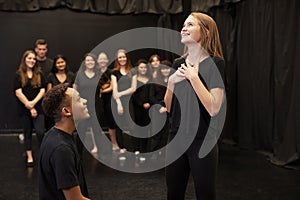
<point>52,78</point>
<point>211,77</point>
<point>30,92</point>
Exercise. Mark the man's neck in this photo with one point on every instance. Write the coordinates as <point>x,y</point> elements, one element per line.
<point>41,59</point>
<point>66,125</point>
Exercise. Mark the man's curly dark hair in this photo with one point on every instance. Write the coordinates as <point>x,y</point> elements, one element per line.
<point>54,100</point>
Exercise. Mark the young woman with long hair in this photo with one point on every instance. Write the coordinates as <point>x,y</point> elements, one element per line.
<point>199,88</point>
<point>29,87</point>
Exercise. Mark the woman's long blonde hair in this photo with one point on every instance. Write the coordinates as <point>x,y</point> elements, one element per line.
<point>36,80</point>
<point>210,39</point>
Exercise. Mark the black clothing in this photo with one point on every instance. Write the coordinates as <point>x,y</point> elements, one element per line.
<point>103,103</point>
<point>46,66</point>
<point>184,115</point>
<point>124,121</point>
<point>139,98</point>
<point>156,96</point>
<point>157,93</point>
<point>124,82</point>
<point>28,122</point>
<point>30,92</point>
<point>177,174</point>
<point>59,166</point>
<point>105,79</point>
<point>87,87</point>
<point>210,77</point>
<point>52,78</point>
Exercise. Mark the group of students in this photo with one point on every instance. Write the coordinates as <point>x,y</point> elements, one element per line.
<point>123,92</point>
<point>38,74</point>
<point>127,103</point>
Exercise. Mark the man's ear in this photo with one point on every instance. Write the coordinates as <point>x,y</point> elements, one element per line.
<point>66,112</point>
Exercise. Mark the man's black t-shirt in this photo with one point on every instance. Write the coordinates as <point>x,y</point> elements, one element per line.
<point>46,66</point>
<point>59,165</point>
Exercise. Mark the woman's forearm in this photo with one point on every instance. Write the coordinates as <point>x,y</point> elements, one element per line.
<point>39,96</point>
<point>168,96</point>
<point>211,100</point>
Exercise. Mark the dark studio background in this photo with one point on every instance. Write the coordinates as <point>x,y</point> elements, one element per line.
<point>260,41</point>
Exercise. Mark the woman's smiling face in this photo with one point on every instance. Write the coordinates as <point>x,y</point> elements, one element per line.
<point>190,32</point>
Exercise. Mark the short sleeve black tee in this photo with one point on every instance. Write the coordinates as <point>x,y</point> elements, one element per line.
<point>124,82</point>
<point>185,103</point>
<point>46,66</point>
<point>87,87</point>
<point>30,92</point>
<point>52,78</point>
<point>59,166</point>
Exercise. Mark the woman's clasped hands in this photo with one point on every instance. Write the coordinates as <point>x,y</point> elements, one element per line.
<point>185,71</point>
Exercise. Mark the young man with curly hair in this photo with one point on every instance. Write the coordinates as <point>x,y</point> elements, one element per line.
<point>60,170</point>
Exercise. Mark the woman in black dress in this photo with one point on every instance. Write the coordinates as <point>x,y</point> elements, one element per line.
<point>86,83</point>
<point>154,61</point>
<point>156,97</point>
<point>105,94</point>
<point>141,105</point>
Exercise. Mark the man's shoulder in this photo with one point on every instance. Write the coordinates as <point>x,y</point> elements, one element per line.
<point>49,60</point>
<point>55,138</point>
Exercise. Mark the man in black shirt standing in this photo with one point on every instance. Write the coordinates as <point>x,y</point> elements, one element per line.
<point>60,170</point>
<point>41,49</point>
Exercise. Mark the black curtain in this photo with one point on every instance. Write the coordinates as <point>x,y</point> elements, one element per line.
<point>286,81</point>
<point>96,6</point>
<point>260,42</point>
<point>261,45</point>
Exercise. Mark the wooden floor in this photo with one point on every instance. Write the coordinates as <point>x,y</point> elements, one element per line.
<point>242,175</point>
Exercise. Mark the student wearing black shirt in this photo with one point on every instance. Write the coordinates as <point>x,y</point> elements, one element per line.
<point>86,82</point>
<point>156,97</point>
<point>29,87</point>
<point>199,88</point>
<point>141,106</point>
<point>104,95</point>
<point>60,170</point>
<point>41,50</point>
<point>59,74</point>
<point>45,63</point>
<point>124,85</point>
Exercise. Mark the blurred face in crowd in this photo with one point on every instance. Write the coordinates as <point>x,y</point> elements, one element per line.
<point>122,59</point>
<point>155,62</point>
<point>30,60</point>
<point>165,71</point>
<point>89,62</point>
<point>61,64</point>
<point>102,60</point>
<point>142,69</point>
<point>41,51</point>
